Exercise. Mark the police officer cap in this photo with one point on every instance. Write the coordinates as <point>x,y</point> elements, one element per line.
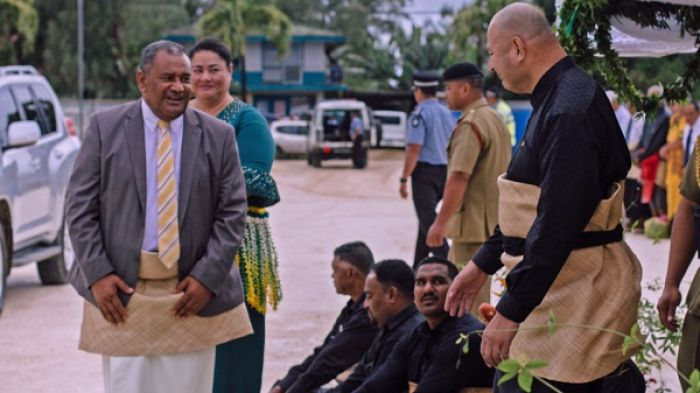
<point>425,79</point>
<point>462,71</point>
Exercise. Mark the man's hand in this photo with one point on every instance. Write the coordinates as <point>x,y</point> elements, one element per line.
<point>403,190</point>
<point>663,152</point>
<point>669,300</point>
<point>194,297</point>
<point>464,289</point>
<point>105,291</point>
<point>436,235</point>
<point>496,340</point>
<point>276,389</point>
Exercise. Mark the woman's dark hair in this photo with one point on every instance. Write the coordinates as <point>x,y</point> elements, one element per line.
<point>214,45</point>
<point>395,273</point>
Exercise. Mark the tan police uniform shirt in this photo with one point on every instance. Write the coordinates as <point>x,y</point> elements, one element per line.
<point>480,147</point>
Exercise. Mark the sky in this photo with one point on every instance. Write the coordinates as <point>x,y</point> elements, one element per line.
<point>422,9</point>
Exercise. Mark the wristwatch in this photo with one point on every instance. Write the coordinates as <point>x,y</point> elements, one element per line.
<point>402,180</point>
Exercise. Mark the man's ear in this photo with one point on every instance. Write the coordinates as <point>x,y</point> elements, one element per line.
<point>393,293</point>
<point>519,45</point>
<point>141,80</point>
<point>466,88</point>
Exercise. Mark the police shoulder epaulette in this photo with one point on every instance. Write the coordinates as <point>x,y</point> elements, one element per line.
<point>416,117</point>
<point>468,119</point>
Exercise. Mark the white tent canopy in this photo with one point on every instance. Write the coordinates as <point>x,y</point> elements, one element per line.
<point>631,40</point>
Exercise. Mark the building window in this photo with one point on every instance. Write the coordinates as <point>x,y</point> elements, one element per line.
<point>287,70</point>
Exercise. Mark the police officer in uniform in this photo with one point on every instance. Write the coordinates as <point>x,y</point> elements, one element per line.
<point>429,129</point>
<point>478,152</point>
<point>685,242</point>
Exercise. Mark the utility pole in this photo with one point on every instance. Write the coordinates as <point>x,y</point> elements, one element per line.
<point>81,69</point>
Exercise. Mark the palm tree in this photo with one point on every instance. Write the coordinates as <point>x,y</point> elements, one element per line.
<point>230,20</point>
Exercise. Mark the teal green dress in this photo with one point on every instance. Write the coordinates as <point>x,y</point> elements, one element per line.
<point>239,363</point>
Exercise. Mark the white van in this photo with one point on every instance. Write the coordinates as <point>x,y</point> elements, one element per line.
<point>329,131</point>
<point>393,125</point>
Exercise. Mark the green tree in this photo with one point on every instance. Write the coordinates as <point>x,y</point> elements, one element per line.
<point>373,30</point>
<point>18,28</point>
<point>468,30</point>
<point>231,20</point>
<point>112,47</point>
<point>422,49</point>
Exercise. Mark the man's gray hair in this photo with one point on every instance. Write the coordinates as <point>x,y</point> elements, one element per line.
<point>151,50</point>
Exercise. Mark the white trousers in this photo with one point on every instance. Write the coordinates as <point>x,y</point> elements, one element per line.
<point>190,372</point>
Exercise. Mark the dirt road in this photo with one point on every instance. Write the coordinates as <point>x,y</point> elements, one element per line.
<point>320,209</point>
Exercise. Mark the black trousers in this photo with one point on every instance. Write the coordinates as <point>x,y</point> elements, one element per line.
<point>626,379</point>
<point>633,202</point>
<point>427,185</point>
<point>357,148</point>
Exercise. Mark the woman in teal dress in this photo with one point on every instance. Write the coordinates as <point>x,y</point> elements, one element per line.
<point>239,362</point>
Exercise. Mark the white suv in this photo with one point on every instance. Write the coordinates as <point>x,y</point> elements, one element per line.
<point>38,147</point>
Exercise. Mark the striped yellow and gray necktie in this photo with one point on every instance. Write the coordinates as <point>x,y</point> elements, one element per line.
<point>168,228</point>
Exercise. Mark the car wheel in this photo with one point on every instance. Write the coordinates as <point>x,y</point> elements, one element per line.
<point>278,152</point>
<point>4,267</point>
<point>54,270</point>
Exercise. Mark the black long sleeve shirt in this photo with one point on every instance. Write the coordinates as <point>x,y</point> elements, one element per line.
<point>655,134</point>
<point>400,325</point>
<point>351,336</point>
<point>574,150</point>
<point>430,358</point>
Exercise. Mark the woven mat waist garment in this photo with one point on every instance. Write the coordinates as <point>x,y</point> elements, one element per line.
<point>150,328</point>
<point>598,286</point>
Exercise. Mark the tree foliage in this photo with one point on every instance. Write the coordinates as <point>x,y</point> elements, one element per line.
<point>19,23</point>
<point>468,30</point>
<point>231,20</point>
<point>115,32</point>
<point>371,57</point>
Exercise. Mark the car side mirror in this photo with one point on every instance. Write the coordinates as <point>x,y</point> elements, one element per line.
<point>23,133</point>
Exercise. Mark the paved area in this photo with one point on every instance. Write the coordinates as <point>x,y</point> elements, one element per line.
<point>320,209</point>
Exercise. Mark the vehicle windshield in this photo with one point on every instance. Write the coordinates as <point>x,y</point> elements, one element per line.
<point>336,124</point>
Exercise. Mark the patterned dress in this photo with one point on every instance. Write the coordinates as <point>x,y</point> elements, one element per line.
<point>256,257</point>
<point>239,363</point>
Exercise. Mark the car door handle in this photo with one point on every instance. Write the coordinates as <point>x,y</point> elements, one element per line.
<point>58,155</point>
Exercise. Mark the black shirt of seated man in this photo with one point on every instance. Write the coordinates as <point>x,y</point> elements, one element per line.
<point>351,335</point>
<point>429,356</point>
<point>389,303</point>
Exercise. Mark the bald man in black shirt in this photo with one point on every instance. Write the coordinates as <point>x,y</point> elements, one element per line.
<point>559,211</point>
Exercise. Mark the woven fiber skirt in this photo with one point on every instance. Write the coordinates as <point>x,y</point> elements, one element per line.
<point>151,328</point>
<point>598,286</point>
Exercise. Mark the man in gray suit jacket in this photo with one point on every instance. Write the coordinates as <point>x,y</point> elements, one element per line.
<point>156,209</point>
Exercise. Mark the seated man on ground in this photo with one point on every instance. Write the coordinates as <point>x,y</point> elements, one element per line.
<point>351,335</point>
<point>389,302</point>
<point>428,357</point>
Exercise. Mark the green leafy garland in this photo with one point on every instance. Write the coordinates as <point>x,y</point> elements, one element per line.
<point>580,18</point>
